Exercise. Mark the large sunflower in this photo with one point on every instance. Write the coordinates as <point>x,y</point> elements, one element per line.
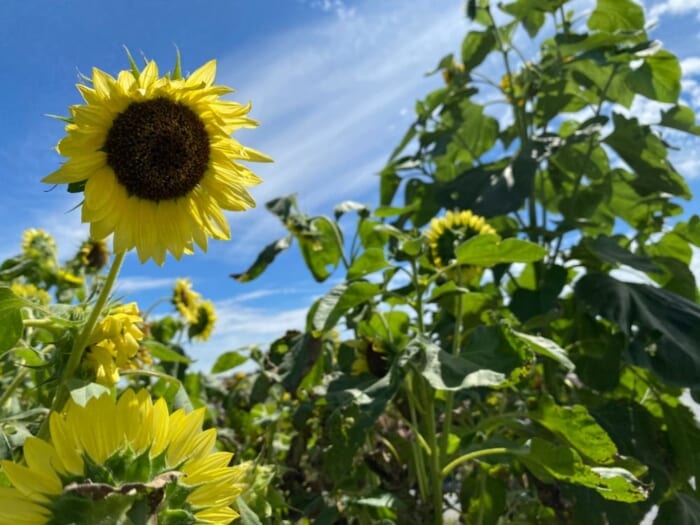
<point>111,462</point>
<point>156,159</point>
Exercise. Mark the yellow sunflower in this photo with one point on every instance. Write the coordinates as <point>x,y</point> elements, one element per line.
<point>156,160</point>
<point>204,325</point>
<point>31,292</point>
<point>448,232</point>
<point>186,300</point>
<point>39,243</point>
<point>93,254</point>
<point>109,461</point>
<point>114,344</point>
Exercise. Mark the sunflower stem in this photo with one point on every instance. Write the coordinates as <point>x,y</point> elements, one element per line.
<point>80,342</point>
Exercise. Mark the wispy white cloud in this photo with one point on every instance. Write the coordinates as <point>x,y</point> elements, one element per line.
<point>132,284</point>
<point>690,66</point>
<point>674,7</point>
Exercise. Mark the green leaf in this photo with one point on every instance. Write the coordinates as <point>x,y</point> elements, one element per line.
<point>684,509</point>
<point>248,517</point>
<point>531,13</point>
<point>341,299</point>
<point>320,247</point>
<point>616,15</point>
<point>445,371</point>
<point>488,250</point>
<point>577,427</point>
<point>282,207</point>
<point>165,353</point>
<point>546,347</point>
<point>304,350</point>
<point>658,78</point>
<point>684,435</point>
<point>265,258</point>
<point>370,261</point>
<point>607,249</point>
<point>663,328</point>
<point>227,361</point>
<point>550,462</point>
<point>478,133</point>
<point>11,317</point>
<point>476,47</point>
<point>680,117</point>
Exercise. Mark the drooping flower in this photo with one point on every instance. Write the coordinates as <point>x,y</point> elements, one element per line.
<point>448,232</point>
<point>114,344</point>
<point>156,160</point>
<point>93,254</point>
<point>108,459</point>
<point>37,242</point>
<point>186,300</point>
<point>202,328</point>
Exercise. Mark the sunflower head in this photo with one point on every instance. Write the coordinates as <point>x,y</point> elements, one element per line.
<point>31,292</point>
<point>114,344</point>
<point>371,358</point>
<point>155,159</point>
<point>186,300</point>
<point>111,459</point>
<point>38,243</point>
<point>202,328</point>
<point>93,254</point>
<point>448,232</point>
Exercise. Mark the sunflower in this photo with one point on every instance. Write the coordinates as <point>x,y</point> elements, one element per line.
<point>114,344</point>
<point>31,292</point>
<point>448,232</point>
<point>156,160</point>
<point>186,300</point>
<point>371,358</point>
<point>93,254</point>
<point>204,325</point>
<point>37,242</point>
<point>109,461</point>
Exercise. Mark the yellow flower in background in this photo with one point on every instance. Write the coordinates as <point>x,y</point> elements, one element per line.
<point>448,232</point>
<point>66,277</point>
<point>186,300</point>
<point>37,242</point>
<point>156,159</point>
<point>31,292</point>
<point>202,328</point>
<point>95,450</point>
<point>114,344</point>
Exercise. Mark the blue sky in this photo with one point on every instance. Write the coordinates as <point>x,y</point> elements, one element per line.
<point>333,83</point>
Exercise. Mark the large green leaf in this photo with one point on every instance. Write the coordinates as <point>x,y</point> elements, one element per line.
<point>663,328</point>
<point>608,250</point>
<point>577,427</point>
<point>321,247</point>
<point>227,361</point>
<point>616,15</point>
<point>658,78</point>
<point>341,299</point>
<point>546,347</point>
<point>489,250</point>
<point>680,117</point>
<point>476,47</point>
<point>550,462</point>
<point>478,133</point>
<point>370,261</point>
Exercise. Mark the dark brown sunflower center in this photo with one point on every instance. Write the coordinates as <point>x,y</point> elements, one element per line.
<point>158,149</point>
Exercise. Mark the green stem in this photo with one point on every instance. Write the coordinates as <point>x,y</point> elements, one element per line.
<point>415,446</point>
<point>13,386</point>
<point>473,455</point>
<point>435,456</point>
<point>80,342</point>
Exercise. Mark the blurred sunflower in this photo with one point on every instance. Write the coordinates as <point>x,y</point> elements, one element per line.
<point>37,242</point>
<point>93,254</point>
<point>371,358</point>
<point>186,300</point>
<point>109,461</point>
<point>448,232</point>
<point>156,160</point>
<point>31,292</point>
<point>114,344</point>
<point>204,325</point>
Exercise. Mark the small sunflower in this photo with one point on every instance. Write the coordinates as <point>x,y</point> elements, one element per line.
<point>109,461</point>
<point>186,300</point>
<point>371,358</point>
<point>204,325</point>
<point>448,232</point>
<point>31,292</point>
<point>114,344</point>
<point>156,160</point>
<point>39,243</point>
<point>93,254</point>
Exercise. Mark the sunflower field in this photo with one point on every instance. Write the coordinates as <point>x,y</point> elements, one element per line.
<point>477,357</point>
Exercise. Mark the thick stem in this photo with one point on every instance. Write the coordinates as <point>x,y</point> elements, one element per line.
<point>80,342</point>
